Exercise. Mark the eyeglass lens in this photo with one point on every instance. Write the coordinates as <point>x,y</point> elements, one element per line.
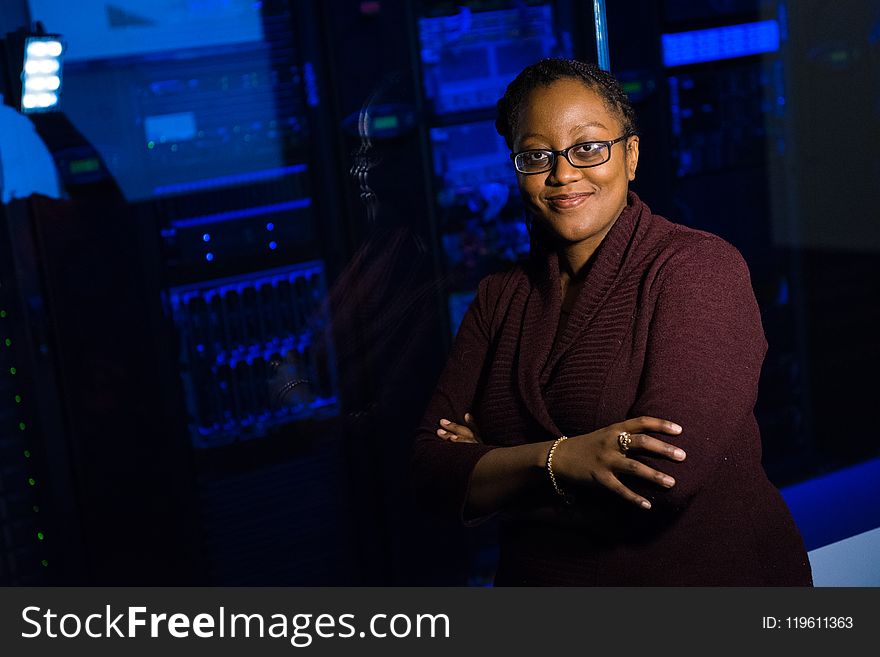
<point>580,155</point>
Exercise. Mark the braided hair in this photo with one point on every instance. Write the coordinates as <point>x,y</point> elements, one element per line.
<point>547,71</point>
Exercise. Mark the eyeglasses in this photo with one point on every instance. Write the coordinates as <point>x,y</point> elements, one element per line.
<point>584,155</point>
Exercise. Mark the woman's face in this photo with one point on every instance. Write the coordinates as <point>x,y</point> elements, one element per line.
<point>578,205</point>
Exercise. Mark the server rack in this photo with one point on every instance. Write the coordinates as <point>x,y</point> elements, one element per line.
<point>724,81</point>
<point>247,262</point>
<point>465,54</point>
<point>179,310</point>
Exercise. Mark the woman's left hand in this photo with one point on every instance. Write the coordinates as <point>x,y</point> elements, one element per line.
<point>460,433</point>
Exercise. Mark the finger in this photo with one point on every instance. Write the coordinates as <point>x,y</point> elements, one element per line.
<point>637,469</point>
<point>648,423</point>
<point>460,435</point>
<point>471,421</point>
<point>613,484</point>
<point>464,438</point>
<point>459,430</point>
<point>650,444</point>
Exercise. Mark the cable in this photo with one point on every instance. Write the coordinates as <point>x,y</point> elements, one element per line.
<point>601,34</point>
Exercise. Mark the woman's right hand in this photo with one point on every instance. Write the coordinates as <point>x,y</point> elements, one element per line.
<point>596,458</point>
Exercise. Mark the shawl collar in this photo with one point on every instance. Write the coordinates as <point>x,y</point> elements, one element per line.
<point>538,354</point>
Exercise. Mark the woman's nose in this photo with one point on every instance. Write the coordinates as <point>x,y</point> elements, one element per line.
<point>563,171</point>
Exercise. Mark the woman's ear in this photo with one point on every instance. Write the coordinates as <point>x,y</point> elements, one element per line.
<point>632,156</point>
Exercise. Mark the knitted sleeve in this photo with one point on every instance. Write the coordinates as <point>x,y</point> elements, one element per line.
<point>705,349</point>
<point>440,471</point>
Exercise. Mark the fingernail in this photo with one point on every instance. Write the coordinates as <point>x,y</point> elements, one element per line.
<point>467,416</point>
<point>669,481</point>
<point>441,432</point>
<point>453,437</point>
<point>679,454</point>
<point>444,422</point>
<point>646,504</point>
<point>676,427</point>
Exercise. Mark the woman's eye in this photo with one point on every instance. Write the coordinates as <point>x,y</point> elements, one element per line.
<point>588,149</point>
<point>536,157</point>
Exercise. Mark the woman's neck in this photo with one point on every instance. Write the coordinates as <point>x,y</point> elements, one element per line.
<point>573,258</point>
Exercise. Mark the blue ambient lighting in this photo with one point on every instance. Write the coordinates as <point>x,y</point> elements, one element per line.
<point>835,506</point>
<point>720,43</point>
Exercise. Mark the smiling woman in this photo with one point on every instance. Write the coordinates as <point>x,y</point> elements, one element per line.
<point>600,397</point>
<point>569,177</point>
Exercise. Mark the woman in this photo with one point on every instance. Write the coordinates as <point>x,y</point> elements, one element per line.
<point>611,379</point>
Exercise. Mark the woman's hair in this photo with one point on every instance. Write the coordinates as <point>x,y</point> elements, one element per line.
<point>547,71</point>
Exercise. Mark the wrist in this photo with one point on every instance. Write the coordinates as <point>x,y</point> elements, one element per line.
<point>539,457</point>
<point>552,454</point>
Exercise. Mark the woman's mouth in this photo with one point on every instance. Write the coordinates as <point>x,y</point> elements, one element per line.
<point>565,201</point>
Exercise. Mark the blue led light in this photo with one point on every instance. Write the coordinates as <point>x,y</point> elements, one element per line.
<point>782,293</point>
<point>41,74</point>
<point>209,257</point>
<point>720,43</point>
<point>311,81</point>
<point>206,237</point>
<point>225,181</point>
<point>270,226</point>
<point>242,214</point>
<point>273,245</point>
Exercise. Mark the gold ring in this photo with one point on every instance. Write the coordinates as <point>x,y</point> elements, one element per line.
<point>624,441</point>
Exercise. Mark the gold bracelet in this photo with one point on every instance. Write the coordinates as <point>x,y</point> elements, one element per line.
<point>568,499</point>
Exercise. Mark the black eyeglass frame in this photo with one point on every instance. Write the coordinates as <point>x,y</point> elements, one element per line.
<point>564,153</point>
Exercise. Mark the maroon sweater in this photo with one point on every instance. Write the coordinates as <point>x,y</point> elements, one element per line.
<point>665,325</point>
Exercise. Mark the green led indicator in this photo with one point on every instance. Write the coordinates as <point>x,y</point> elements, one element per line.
<point>18,399</point>
<point>27,453</point>
<point>12,371</point>
<point>151,144</point>
<point>32,481</point>
<point>40,535</point>
<point>88,165</point>
<point>2,313</point>
<point>45,563</point>
<point>633,87</point>
<point>385,122</point>
<point>22,426</point>
<point>8,342</point>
